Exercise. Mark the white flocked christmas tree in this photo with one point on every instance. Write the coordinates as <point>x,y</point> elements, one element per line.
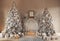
<point>45,24</point>
<point>13,22</point>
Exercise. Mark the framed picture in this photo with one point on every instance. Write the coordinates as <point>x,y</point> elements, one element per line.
<point>31,13</point>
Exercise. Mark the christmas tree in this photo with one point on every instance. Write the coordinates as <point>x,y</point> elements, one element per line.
<point>45,24</point>
<point>13,22</point>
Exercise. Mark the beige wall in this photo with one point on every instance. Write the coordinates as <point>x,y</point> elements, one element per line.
<point>37,5</point>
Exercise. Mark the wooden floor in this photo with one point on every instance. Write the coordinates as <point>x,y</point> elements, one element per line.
<point>17,40</point>
<point>3,39</point>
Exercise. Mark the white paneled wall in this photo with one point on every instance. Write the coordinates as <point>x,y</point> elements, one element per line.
<point>55,16</point>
